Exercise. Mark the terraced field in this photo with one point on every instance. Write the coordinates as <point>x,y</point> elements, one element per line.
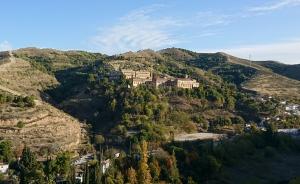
<point>43,128</point>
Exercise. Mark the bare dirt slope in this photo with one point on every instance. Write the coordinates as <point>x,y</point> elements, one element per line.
<point>44,129</point>
<point>268,83</point>
<point>18,75</point>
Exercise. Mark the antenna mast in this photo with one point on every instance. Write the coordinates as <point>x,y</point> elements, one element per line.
<point>250,59</point>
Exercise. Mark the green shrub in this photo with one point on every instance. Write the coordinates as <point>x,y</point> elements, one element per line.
<point>20,124</point>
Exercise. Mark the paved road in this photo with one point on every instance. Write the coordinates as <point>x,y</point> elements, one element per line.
<point>198,136</point>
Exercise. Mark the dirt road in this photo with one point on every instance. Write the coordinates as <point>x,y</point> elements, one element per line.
<point>198,136</point>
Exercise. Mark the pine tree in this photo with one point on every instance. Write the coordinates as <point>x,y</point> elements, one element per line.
<point>71,176</point>
<point>119,178</point>
<point>144,175</point>
<point>30,169</point>
<point>173,170</point>
<point>50,170</point>
<point>86,178</point>
<point>155,170</point>
<point>98,175</point>
<point>131,176</point>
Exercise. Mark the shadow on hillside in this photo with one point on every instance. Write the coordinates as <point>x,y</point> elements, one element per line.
<point>74,97</point>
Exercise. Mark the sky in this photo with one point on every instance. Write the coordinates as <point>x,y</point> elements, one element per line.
<point>259,29</point>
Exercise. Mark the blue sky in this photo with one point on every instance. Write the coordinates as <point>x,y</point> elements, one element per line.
<point>266,29</point>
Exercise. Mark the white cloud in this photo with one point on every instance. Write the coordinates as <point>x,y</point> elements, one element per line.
<point>137,30</point>
<point>286,52</point>
<point>146,28</point>
<point>275,6</point>
<point>5,45</point>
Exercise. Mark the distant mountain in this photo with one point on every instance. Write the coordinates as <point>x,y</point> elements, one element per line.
<point>291,71</point>
<point>255,76</point>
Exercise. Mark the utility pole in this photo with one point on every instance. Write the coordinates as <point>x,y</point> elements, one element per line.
<point>250,59</point>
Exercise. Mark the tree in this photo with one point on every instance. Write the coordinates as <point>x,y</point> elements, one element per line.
<point>5,151</point>
<point>173,170</point>
<point>30,169</point>
<point>86,176</point>
<point>131,176</point>
<point>155,170</point>
<point>99,139</point>
<point>108,180</point>
<point>144,175</point>
<point>50,170</point>
<point>119,178</point>
<point>113,105</point>
<point>97,174</point>
<point>29,101</point>
<point>63,162</point>
<point>230,103</point>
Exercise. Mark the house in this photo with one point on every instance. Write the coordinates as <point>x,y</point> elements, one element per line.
<point>161,82</point>
<point>186,83</point>
<point>292,107</point>
<point>4,168</point>
<point>105,165</point>
<point>79,176</point>
<point>137,81</point>
<point>129,74</point>
<point>146,77</point>
<point>290,131</point>
<point>283,102</point>
<point>117,155</point>
<point>143,74</point>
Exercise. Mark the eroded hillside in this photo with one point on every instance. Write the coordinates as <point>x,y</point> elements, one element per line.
<point>42,127</point>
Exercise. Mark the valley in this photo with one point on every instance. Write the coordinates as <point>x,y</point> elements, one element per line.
<point>90,107</point>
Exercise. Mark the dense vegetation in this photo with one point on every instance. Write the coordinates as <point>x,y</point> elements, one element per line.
<point>212,160</point>
<point>141,122</point>
<point>187,162</point>
<point>49,60</point>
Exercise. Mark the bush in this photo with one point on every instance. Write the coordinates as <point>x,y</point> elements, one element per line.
<point>27,101</point>
<point>20,124</point>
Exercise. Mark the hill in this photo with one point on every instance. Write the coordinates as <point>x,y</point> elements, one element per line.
<point>251,75</point>
<point>76,82</point>
<point>46,93</point>
<point>42,127</point>
<point>290,71</point>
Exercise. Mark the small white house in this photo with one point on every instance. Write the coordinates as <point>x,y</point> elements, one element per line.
<point>291,107</point>
<point>79,178</point>
<point>117,155</point>
<point>3,168</point>
<point>105,165</point>
<point>247,125</point>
